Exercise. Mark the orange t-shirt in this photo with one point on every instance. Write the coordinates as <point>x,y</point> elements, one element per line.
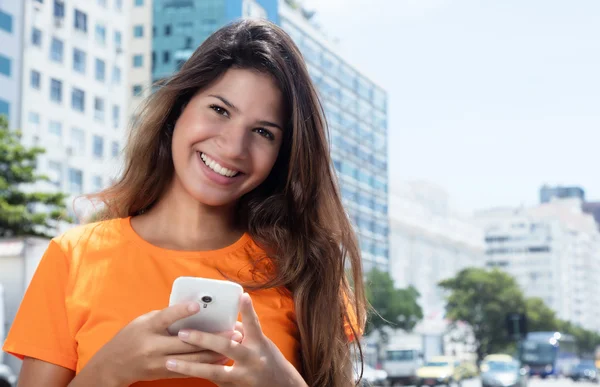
<point>95,279</point>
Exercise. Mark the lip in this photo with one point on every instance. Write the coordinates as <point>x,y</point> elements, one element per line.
<point>214,176</point>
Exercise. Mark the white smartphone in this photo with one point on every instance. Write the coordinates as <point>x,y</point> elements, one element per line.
<point>219,304</point>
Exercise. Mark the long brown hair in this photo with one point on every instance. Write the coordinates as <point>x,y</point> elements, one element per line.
<point>296,214</point>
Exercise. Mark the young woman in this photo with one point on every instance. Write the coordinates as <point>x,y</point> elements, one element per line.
<point>227,176</point>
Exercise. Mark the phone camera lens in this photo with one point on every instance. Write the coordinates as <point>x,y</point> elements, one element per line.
<point>207,299</point>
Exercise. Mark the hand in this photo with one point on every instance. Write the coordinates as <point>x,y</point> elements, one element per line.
<point>258,362</point>
<point>139,351</point>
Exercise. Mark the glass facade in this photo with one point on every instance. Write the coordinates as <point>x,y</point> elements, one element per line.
<point>355,108</point>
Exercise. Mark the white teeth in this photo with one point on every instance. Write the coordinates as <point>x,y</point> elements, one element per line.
<point>212,164</point>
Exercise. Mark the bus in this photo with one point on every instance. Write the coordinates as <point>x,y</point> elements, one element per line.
<point>549,353</point>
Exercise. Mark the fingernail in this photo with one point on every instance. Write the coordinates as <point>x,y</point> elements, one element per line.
<point>184,334</point>
<point>171,364</point>
<point>237,336</point>
<point>193,307</point>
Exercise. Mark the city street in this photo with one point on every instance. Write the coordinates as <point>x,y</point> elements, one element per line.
<point>536,382</point>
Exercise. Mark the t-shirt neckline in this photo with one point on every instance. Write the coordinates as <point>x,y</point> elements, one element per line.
<point>130,233</point>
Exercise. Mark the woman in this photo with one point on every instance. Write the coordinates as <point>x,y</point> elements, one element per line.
<point>227,176</point>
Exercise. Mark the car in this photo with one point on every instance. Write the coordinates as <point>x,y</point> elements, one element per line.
<point>7,377</point>
<point>440,371</point>
<point>370,375</point>
<point>503,374</point>
<point>585,370</point>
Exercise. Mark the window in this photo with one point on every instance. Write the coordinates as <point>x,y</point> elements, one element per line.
<point>77,141</point>
<point>138,31</point>
<point>100,70</point>
<point>55,128</point>
<point>59,9</point>
<point>189,42</point>
<point>5,22</point>
<point>4,108</point>
<point>154,31</point>
<point>118,5</point>
<point>168,30</point>
<point>100,34</point>
<point>115,149</point>
<point>80,21</point>
<point>102,3</point>
<point>79,59</point>
<point>98,146</point>
<point>138,61</point>
<point>34,119</point>
<point>55,90</point>
<point>56,50</point>
<point>35,79</point>
<point>118,39</point>
<point>97,183</point>
<point>137,90</point>
<point>75,181</point>
<point>116,112</point>
<point>116,75</point>
<point>78,100</point>
<point>4,65</point>
<point>166,57</point>
<point>139,3</point>
<point>99,109</point>
<point>36,37</point>
<point>153,60</point>
<point>55,173</point>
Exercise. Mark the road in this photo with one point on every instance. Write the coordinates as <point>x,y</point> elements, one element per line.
<point>536,382</point>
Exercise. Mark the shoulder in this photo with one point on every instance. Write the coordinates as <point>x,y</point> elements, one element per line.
<point>91,238</point>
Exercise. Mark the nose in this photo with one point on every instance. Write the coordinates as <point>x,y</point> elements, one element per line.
<point>233,141</point>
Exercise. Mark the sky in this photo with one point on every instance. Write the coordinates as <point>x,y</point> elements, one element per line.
<point>487,99</point>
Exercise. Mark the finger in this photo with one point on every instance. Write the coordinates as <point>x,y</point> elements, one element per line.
<point>212,372</point>
<point>207,357</point>
<point>232,335</point>
<point>226,347</point>
<point>239,326</point>
<point>169,345</point>
<point>166,317</point>
<point>250,318</point>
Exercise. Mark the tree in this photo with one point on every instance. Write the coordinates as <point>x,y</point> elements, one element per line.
<point>540,318</point>
<point>392,307</point>
<point>482,299</point>
<point>17,206</point>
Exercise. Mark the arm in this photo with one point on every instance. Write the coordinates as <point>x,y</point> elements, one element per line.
<point>36,372</point>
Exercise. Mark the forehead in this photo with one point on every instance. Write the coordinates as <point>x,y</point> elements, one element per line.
<point>247,89</point>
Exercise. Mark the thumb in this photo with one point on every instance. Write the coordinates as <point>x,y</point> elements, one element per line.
<point>250,318</point>
<point>166,317</point>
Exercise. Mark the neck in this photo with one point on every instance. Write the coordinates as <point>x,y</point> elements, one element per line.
<point>179,222</point>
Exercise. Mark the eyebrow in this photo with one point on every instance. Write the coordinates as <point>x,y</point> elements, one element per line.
<point>233,107</point>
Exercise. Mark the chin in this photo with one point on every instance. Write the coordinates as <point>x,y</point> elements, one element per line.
<point>214,200</point>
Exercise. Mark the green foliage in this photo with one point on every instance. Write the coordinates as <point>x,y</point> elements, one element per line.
<point>482,299</point>
<point>392,307</point>
<point>540,318</point>
<point>17,169</point>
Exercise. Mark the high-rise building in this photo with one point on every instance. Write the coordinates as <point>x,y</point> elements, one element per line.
<point>141,61</point>
<point>430,242</point>
<point>356,108</point>
<point>553,251</point>
<point>11,36</point>
<point>548,193</point>
<point>75,63</point>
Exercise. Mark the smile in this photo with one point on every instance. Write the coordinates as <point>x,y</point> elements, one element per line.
<point>212,164</point>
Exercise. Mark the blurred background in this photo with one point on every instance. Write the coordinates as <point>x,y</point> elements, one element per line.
<point>463,134</point>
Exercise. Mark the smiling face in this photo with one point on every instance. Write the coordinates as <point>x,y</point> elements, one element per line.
<point>227,138</point>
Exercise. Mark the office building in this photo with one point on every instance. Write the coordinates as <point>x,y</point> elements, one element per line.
<point>548,193</point>
<point>75,63</point>
<point>11,36</point>
<point>553,251</point>
<point>430,242</point>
